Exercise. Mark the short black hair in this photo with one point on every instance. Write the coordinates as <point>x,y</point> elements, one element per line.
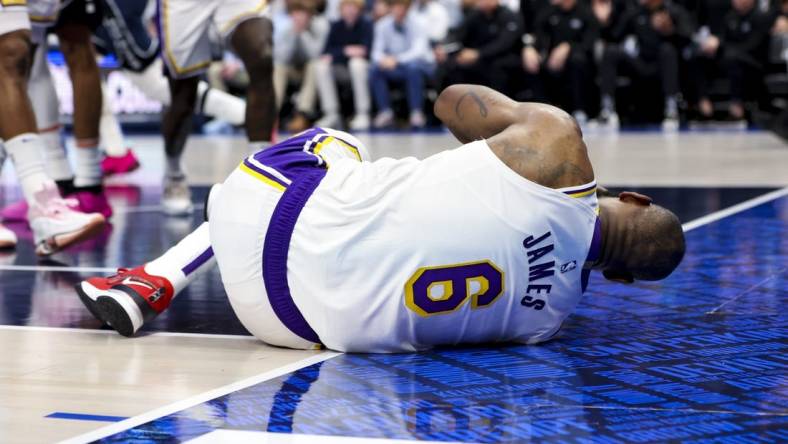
<point>658,244</point>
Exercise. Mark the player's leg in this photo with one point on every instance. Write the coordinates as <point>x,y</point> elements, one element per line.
<point>77,48</point>
<point>135,296</point>
<point>176,126</point>
<point>54,225</point>
<point>253,42</point>
<point>43,97</point>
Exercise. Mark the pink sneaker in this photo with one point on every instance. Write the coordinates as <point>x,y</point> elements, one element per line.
<point>55,225</point>
<point>90,202</point>
<point>15,212</point>
<point>119,165</point>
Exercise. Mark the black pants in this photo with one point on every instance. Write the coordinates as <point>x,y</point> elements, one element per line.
<point>743,72</point>
<point>665,67</point>
<point>570,82</point>
<point>498,73</point>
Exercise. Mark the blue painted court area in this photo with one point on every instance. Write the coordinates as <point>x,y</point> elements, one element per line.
<point>699,357</point>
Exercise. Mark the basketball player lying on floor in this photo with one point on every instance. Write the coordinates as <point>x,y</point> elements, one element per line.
<point>492,241</point>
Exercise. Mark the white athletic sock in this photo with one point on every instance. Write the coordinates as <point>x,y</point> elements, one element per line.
<point>151,82</point>
<point>109,128</point>
<point>88,165</point>
<point>221,105</point>
<point>26,153</point>
<point>188,259</point>
<point>55,159</point>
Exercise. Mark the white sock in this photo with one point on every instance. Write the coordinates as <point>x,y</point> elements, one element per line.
<point>109,128</point>
<point>55,159</point>
<point>188,259</point>
<point>221,105</point>
<point>88,165</point>
<point>26,153</point>
<point>151,82</point>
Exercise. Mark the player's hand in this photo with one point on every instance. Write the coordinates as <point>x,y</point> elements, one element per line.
<point>662,22</point>
<point>602,10</point>
<point>558,57</point>
<point>467,56</point>
<point>531,60</point>
<point>388,63</point>
<point>710,45</point>
<point>355,51</point>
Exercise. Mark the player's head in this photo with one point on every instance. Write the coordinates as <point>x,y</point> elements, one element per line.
<point>644,241</point>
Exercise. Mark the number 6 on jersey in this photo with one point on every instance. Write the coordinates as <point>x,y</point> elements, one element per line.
<point>443,289</point>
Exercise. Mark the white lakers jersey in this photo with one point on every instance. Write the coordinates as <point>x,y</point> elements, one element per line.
<point>403,255</point>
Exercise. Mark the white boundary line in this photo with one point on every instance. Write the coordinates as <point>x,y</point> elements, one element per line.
<point>56,268</point>
<point>197,399</point>
<point>738,208</point>
<point>142,335</point>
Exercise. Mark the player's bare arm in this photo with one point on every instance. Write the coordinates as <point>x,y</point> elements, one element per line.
<point>540,142</point>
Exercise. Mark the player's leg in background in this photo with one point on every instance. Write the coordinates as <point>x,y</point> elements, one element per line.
<point>176,126</point>
<point>252,40</point>
<point>77,49</point>
<point>54,225</point>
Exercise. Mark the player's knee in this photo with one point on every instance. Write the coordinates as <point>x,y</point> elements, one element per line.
<point>261,63</point>
<point>15,56</point>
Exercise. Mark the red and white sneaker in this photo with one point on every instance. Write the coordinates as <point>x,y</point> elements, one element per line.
<point>126,300</point>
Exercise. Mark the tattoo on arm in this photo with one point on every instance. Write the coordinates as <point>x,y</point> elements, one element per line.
<point>477,99</point>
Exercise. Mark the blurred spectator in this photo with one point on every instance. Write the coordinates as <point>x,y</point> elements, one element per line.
<point>454,9</point>
<point>400,54</point>
<point>380,9</point>
<point>740,51</point>
<point>564,34</point>
<point>346,60</point>
<point>608,15</point>
<point>780,26</point>
<point>484,49</point>
<point>529,10</point>
<point>298,43</point>
<point>659,31</point>
<point>434,14</point>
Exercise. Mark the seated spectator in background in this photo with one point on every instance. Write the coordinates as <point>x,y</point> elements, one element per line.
<point>454,10</point>
<point>659,32</point>
<point>564,38</point>
<point>346,60</point>
<point>434,15</point>
<point>608,14</point>
<point>740,51</point>
<point>780,26</point>
<point>401,54</point>
<point>380,9</point>
<point>485,48</point>
<point>298,43</point>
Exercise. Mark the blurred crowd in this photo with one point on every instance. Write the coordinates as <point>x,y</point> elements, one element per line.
<point>378,63</point>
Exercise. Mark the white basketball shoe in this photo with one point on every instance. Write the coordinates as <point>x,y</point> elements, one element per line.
<point>56,225</point>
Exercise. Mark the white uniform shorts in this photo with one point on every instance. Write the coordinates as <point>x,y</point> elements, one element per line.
<point>13,16</point>
<point>185,27</point>
<point>239,228</point>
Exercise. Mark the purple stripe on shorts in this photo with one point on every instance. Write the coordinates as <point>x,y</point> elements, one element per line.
<point>265,173</point>
<point>198,261</point>
<point>277,246</point>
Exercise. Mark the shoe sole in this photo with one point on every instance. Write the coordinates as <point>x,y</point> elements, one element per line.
<point>64,240</point>
<point>107,309</point>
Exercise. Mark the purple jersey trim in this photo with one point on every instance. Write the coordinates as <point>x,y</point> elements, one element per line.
<point>277,245</point>
<point>581,190</point>
<point>198,261</point>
